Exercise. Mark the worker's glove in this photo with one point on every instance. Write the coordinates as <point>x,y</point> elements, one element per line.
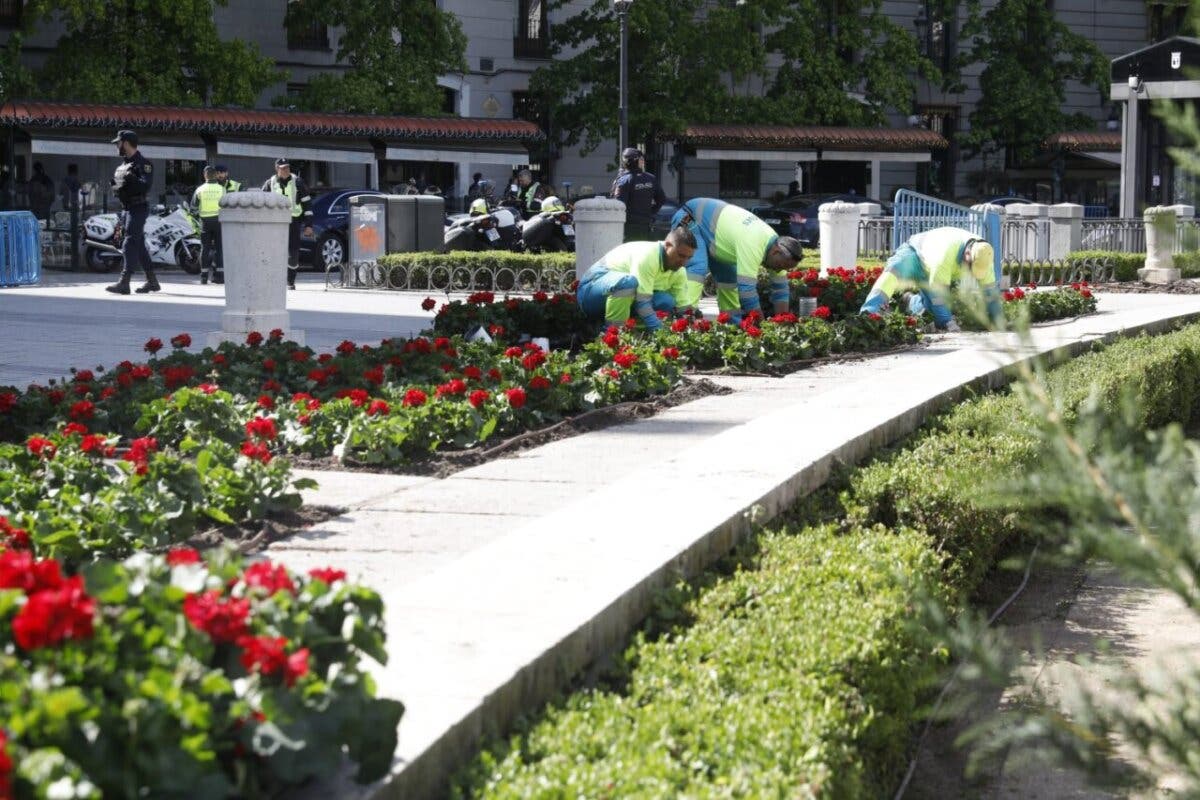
<point>953,327</point>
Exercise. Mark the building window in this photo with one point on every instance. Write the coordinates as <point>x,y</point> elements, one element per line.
<point>739,179</point>
<point>10,13</point>
<point>937,33</point>
<point>1164,20</point>
<point>532,37</point>
<point>304,34</point>
<point>449,100</point>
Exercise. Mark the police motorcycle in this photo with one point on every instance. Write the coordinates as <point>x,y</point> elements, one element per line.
<point>550,230</point>
<point>172,239</point>
<point>484,228</point>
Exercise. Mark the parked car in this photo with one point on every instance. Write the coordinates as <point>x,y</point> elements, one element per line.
<point>329,245</point>
<point>1008,201</point>
<point>797,216</point>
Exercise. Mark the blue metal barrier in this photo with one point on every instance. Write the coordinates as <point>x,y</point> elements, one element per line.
<point>20,249</point>
<point>916,212</point>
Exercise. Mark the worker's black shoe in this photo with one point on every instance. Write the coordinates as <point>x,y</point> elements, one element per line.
<point>120,287</point>
<point>291,286</point>
<point>203,278</point>
<point>151,285</point>
<point>218,277</point>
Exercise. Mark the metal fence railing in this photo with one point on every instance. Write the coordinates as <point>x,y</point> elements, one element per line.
<point>1025,239</point>
<point>1052,273</point>
<point>444,278</point>
<point>915,212</point>
<point>875,237</point>
<point>1122,235</point>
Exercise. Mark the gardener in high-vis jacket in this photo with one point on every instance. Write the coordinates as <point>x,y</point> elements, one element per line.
<point>627,278</point>
<point>734,245</point>
<point>930,262</point>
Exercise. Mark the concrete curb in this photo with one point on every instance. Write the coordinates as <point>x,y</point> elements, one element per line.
<point>502,629</point>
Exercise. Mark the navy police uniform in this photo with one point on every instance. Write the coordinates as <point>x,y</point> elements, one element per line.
<point>642,196</point>
<point>131,182</point>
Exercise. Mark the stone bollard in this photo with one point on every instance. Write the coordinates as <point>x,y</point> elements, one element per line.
<point>839,234</point>
<point>254,237</point>
<point>599,227</point>
<point>1066,230</point>
<point>1187,237</point>
<point>1160,246</point>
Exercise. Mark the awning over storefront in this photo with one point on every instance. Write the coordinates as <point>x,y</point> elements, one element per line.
<point>785,143</point>
<point>511,158</point>
<point>46,144</point>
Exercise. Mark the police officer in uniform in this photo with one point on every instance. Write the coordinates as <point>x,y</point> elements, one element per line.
<point>641,194</point>
<point>227,182</point>
<point>530,193</point>
<point>131,182</point>
<point>293,188</point>
<point>206,202</point>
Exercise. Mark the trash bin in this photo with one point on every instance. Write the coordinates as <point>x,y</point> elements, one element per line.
<point>367,229</point>
<point>20,249</point>
<point>415,223</point>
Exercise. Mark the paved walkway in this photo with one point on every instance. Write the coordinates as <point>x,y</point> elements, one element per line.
<point>504,580</point>
<point>70,321</point>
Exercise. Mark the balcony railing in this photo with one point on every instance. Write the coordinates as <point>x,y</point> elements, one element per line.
<point>531,47</point>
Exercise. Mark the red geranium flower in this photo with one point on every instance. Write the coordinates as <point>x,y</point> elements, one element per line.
<point>533,360</point>
<point>873,316</point>
<point>478,398</point>
<point>612,337</point>
<point>821,312</point>
<point>72,428</point>
<point>267,575</point>
<point>268,365</point>
<point>516,397</point>
<point>182,555</point>
<point>472,373</point>
<point>208,388</point>
<point>670,353</point>
<point>414,398</point>
<point>263,654</point>
<point>630,324</point>
<point>20,570</point>
<point>625,359</point>
<point>679,326</point>
<point>347,347</point>
<point>327,574</point>
<point>374,375</point>
<point>15,538</point>
<point>107,392</point>
<point>254,338</point>
<point>378,408</point>
<point>513,352</point>
<point>724,318</point>
<point>141,372</point>
<point>181,340</point>
<point>494,374</point>
<point>265,401</point>
<point>8,401</point>
<point>564,378</point>
<point>910,322</point>
<point>539,382</point>
<point>85,376</point>
<point>54,615</point>
<point>223,621</point>
<point>428,304</point>
<point>276,334</point>
<point>540,297</point>
<point>256,451</point>
<point>152,345</point>
<point>300,356</point>
<point>261,428</point>
<point>454,387</point>
<point>41,446</point>
<point>219,359</point>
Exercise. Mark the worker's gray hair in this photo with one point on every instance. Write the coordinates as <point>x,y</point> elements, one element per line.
<point>682,235</point>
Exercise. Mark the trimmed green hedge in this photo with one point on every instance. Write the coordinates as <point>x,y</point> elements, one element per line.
<point>1127,264</point>
<point>796,676</point>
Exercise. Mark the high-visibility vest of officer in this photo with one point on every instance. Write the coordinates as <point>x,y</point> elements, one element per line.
<point>206,200</point>
<point>734,245</point>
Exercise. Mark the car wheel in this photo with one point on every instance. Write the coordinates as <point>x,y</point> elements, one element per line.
<point>331,252</point>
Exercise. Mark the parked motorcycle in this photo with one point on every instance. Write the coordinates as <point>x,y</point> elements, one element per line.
<point>551,230</point>
<point>172,239</point>
<point>484,228</point>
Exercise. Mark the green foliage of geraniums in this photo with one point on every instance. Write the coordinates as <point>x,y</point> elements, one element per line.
<point>179,676</point>
<point>80,498</point>
<point>556,317</point>
<point>1031,304</point>
<point>798,674</point>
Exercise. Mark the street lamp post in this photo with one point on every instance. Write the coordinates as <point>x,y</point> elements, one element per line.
<point>622,9</point>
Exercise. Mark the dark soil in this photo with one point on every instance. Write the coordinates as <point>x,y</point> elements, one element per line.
<point>1140,287</point>
<point>254,535</point>
<point>444,464</point>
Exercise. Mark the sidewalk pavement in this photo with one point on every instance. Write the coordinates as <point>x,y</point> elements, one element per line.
<point>504,580</point>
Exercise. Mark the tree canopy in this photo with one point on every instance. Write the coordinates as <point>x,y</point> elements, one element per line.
<point>825,62</point>
<point>394,49</point>
<point>146,51</point>
<point>1028,56</point>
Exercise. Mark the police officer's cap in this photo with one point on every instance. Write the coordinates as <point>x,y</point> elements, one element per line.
<point>222,168</point>
<point>126,136</point>
<point>282,162</point>
<point>210,170</point>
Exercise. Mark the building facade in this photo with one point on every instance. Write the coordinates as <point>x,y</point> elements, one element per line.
<point>507,40</point>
